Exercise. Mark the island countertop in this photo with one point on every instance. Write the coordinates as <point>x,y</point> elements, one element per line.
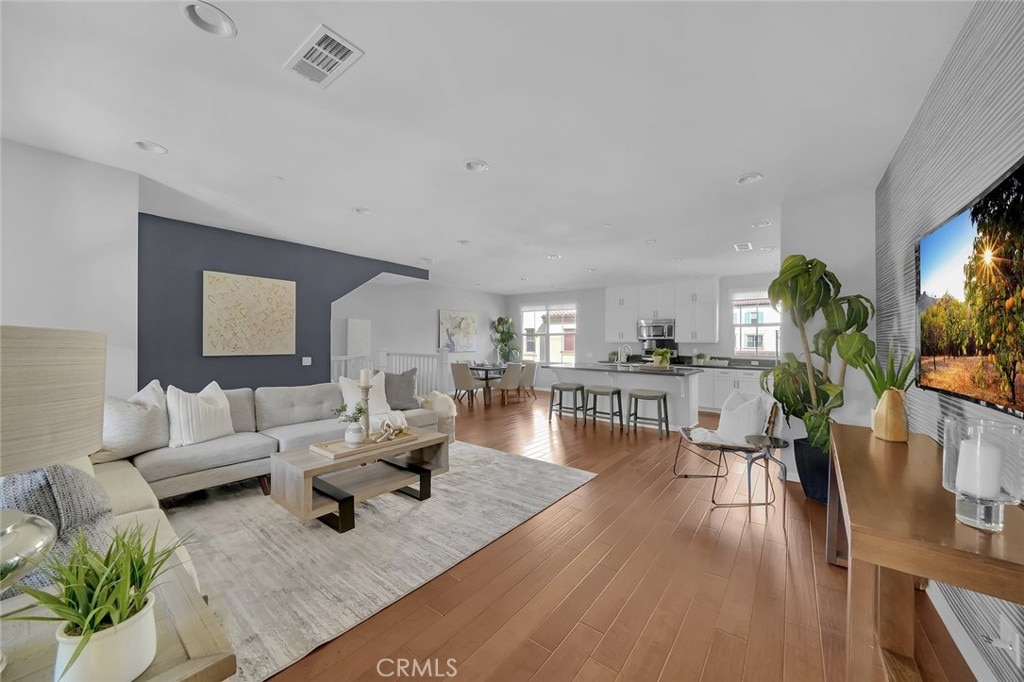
<point>627,368</point>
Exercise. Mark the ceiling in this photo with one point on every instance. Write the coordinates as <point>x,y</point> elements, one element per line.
<point>605,125</point>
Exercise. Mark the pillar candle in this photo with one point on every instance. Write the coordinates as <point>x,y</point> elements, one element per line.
<point>364,377</point>
<point>978,468</point>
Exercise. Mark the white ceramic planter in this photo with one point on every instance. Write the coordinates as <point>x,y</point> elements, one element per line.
<point>117,654</point>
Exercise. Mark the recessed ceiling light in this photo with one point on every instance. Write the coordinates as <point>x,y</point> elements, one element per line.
<point>743,246</point>
<point>210,19</point>
<point>767,248</point>
<point>677,260</point>
<point>477,166</point>
<point>463,242</point>
<point>650,242</point>
<point>277,177</point>
<point>554,256</point>
<point>749,178</point>
<point>147,146</point>
<point>360,210</point>
<point>525,279</point>
<point>427,261</point>
<point>762,223</point>
<point>591,269</point>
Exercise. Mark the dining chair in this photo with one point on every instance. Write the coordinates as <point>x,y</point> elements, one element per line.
<point>743,414</point>
<point>509,380</point>
<point>465,383</point>
<point>528,379</point>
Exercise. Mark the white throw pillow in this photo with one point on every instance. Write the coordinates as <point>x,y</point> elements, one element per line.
<point>742,416</point>
<point>135,425</point>
<point>378,401</point>
<point>198,417</point>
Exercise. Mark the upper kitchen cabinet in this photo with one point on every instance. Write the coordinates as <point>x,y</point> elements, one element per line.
<point>697,311</point>
<point>620,314</point>
<point>656,301</point>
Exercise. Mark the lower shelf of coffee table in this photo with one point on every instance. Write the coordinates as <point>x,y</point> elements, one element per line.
<point>371,480</point>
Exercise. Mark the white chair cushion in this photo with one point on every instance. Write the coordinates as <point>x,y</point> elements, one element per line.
<point>378,401</point>
<point>198,417</point>
<point>742,415</point>
<point>128,491</point>
<point>134,425</point>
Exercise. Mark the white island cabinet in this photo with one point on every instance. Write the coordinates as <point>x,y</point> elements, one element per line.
<point>680,383</point>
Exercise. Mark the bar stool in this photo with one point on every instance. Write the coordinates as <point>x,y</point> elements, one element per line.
<point>576,390</point>
<point>638,394</point>
<point>614,393</point>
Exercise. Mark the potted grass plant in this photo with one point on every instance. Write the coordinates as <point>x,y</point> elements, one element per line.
<point>811,387</point>
<point>104,603</point>
<point>889,383</point>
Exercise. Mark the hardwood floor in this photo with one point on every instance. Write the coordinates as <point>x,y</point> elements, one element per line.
<point>634,576</point>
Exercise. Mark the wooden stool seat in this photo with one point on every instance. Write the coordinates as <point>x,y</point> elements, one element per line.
<point>660,397</point>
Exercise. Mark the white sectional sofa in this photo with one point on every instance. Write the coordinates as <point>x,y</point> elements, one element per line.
<point>265,421</point>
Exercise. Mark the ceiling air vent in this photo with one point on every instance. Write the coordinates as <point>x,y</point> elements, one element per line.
<point>323,57</point>
<point>743,246</point>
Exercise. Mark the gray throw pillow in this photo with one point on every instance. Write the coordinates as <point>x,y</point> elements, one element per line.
<point>400,390</point>
<point>67,497</point>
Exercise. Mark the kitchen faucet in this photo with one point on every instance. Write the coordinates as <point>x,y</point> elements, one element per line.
<point>629,351</point>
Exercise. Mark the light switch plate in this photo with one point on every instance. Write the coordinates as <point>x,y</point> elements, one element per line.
<point>306,361</point>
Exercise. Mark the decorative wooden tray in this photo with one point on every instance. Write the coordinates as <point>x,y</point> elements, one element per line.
<point>336,449</point>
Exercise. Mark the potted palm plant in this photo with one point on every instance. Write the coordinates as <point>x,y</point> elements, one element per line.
<point>105,604</point>
<point>503,336</point>
<point>811,387</point>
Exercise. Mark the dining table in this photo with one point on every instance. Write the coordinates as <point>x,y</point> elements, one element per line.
<point>486,373</point>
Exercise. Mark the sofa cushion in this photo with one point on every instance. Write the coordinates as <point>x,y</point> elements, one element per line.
<point>425,419</point>
<point>351,393</point>
<point>198,417</point>
<point>128,491</point>
<point>282,405</point>
<point>297,436</point>
<point>238,447</point>
<point>134,425</point>
<point>243,409</point>
<point>400,390</point>
<point>155,519</point>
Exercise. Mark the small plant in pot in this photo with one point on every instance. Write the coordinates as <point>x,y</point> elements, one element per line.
<point>812,387</point>
<point>890,382</point>
<point>661,357</point>
<point>105,604</point>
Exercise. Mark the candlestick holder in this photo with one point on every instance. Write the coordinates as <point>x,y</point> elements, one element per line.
<point>983,465</point>
<point>365,402</point>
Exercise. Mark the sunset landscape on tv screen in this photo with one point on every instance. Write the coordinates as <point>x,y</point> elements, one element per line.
<point>970,300</point>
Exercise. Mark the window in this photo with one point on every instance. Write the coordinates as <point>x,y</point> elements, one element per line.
<point>756,326</point>
<point>549,333</point>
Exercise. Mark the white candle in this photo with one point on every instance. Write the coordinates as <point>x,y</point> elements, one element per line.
<point>364,377</point>
<point>978,468</point>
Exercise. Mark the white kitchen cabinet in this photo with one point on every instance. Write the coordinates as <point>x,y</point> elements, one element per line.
<point>697,311</point>
<point>698,290</point>
<point>725,381</point>
<point>656,301</point>
<point>620,314</point>
<point>706,388</point>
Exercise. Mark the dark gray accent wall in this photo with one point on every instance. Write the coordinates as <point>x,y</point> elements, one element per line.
<point>967,134</point>
<point>172,257</point>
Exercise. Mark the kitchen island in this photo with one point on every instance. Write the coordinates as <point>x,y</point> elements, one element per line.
<point>679,381</point>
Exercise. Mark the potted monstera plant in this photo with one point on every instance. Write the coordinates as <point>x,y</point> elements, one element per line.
<point>811,387</point>
<point>503,336</point>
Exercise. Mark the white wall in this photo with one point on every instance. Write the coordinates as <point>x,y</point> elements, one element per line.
<point>69,244</point>
<point>403,317</point>
<point>838,229</point>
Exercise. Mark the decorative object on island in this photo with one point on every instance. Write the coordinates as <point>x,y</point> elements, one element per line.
<point>457,331</point>
<point>804,288</point>
<point>503,336</point>
<point>103,602</point>
<point>889,416</point>
<point>245,315</point>
<point>699,358</point>
<point>661,357</point>
<point>41,369</point>
<point>983,464</point>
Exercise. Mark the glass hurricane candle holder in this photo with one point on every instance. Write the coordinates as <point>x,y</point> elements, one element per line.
<point>983,465</point>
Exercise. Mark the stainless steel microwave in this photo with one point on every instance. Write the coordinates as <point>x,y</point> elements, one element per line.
<point>656,329</point>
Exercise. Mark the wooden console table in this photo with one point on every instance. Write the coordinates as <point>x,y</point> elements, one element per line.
<point>892,519</point>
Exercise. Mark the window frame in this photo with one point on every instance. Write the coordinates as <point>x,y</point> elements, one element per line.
<point>542,340</point>
<point>756,330</point>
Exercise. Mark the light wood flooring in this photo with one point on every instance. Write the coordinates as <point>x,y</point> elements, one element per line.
<point>632,577</point>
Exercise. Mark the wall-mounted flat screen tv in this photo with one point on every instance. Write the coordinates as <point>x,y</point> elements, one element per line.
<point>970,308</point>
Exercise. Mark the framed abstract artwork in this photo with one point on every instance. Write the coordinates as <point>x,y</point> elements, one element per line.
<point>245,315</point>
<point>457,331</point>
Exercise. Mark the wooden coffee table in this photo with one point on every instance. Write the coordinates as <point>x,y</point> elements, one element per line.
<point>312,486</point>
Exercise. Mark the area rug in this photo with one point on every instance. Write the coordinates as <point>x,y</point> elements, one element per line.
<point>282,587</point>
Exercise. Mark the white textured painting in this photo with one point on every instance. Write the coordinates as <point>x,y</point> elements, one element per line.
<point>457,331</point>
<point>245,315</point>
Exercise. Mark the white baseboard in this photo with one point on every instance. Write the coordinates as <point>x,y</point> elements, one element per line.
<point>963,641</point>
